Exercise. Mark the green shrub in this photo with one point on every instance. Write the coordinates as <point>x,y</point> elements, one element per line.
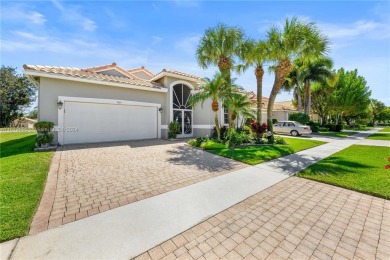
<point>198,141</point>
<point>274,121</point>
<point>44,139</point>
<point>212,145</point>
<point>280,140</point>
<point>271,139</point>
<point>260,141</point>
<point>299,117</point>
<point>245,138</point>
<point>323,129</point>
<point>44,127</point>
<point>192,142</point>
<point>173,129</point>
<point>234,138</point>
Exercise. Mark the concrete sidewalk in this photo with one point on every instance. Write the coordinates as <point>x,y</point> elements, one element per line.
<point>128,231</point>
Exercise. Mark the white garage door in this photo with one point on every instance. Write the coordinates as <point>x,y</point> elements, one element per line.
<point>99,122</point>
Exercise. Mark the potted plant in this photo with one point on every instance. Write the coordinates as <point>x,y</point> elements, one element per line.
<point>44,140</point>
<point>44,137</point>
<point>173,129</point>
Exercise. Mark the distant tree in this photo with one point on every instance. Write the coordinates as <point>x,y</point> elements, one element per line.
<point>351,95</point>
<point>321,101</point>
<point>33,113</point>
<point>17,93</point>
<point>293,83</point>
<point>314,70</point>
<point>379,111</point>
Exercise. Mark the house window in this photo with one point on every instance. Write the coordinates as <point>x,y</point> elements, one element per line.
<point>225,116</point>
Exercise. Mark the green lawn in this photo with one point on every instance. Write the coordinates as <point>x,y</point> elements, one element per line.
<point>22,178</point>
<point>257,154</point>
<point>358,167</point>
<point>386,129</point>
<point>379,136</point>
<point>337,134</point>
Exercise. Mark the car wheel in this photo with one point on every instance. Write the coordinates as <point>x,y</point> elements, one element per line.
<point>294,133</point>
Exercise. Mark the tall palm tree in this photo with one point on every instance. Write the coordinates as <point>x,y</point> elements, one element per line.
<point>215,89</point>
<point>293,83</point>
<point>239,104</point>
<point>255,53</point>
<point>296,39</point>
<point>220,46</point>
<point>314,70</point>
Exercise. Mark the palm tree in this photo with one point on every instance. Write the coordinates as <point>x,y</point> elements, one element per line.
<point>220,46</point>
<point>314,70</point>
<point>296,39</point>
<point>292,83</point>
<point>239,104</point>
<point>214,89</point>
<point>255,53</point>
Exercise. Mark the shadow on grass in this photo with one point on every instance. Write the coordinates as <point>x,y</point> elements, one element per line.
<point>187,155</point>
<point>255,154</point>
<point>335,166</point>
<point>17,146</point>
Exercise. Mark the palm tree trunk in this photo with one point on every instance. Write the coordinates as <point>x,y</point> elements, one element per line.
<point>259,77</point>
<point>217,125</point>
<point>307,97</point>
<point>282,70</point>
<point>271,102</point>
<point>299,98</point>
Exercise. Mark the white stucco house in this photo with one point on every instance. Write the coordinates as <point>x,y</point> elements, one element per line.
<point>108,103</point>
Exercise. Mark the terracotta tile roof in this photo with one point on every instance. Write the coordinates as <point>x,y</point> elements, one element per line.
<point>110,66</point>
<point>141,69</point>
<point>90,74</point>
<point>178,73</point>
<point>284,105</point>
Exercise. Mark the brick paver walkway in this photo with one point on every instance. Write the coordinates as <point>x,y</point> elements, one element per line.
<point>97,177</point>
<point>294,219</point>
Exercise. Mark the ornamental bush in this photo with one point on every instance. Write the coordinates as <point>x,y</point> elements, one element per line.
<point>44,127</point>
<point>299,117</point>
<point>173,129</point>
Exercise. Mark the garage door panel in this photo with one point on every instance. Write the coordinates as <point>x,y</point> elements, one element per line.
<point>96,122</point>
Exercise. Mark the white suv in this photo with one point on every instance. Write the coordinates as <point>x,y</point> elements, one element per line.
<point>291,127</point>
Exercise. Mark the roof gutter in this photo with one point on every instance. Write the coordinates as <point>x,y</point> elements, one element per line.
<point>93,81</point>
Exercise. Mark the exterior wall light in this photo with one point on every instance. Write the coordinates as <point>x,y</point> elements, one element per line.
<point>60,104</point>
<point>160,109</point>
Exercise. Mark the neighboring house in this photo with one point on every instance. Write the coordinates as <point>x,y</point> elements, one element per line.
<point>108,103</point>
<point>280,110</point>
<point>24,122</point>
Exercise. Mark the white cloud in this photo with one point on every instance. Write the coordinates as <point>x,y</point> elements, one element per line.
<point>21,13</point>
<point>188,44</point>
<point>73,14</point>
<point>29,36</point>
<point>370,29</point>
<point>58,4</point>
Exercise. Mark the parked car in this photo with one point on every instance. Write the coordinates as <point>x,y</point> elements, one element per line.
<point>291,127</point>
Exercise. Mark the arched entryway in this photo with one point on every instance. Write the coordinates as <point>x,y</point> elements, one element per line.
<point>182,110</point>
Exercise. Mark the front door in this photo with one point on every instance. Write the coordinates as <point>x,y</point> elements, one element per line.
<point>184,118</point>
<point>182,110</point>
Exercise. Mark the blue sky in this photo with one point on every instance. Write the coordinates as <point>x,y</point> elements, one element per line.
<point>164,34</point>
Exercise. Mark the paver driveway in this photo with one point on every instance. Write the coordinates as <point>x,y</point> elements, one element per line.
<point>294,219</point>
<point>97,177</point>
